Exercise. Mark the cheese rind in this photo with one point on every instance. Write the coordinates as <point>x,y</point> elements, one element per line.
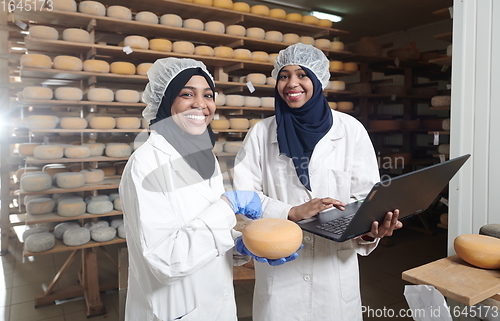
<point>43,32</point>
<point>40,206</point>
<point>204,51</point>
<point>296,17</point>
<point>96,66</point>
<point>127,96</point>
<point>307,40</point>
<point>236,30</point>
<point>183,47</point>
<point>277,13</point>
<point>73,123</point>
<point>76,151</point>
<point>257,78</point>
<point>76,35</point>
<point>215,27</point>
<point>137,42</point>
<point>193,24</point>
<point>71,206</point>
<point>243,54</point>
<point>100,94</point>
<point>37,93</point>
<point>337,45</point>
<point>119,12</point>
<point>35,181</point>
<point>92,7</point>
<point>128,123</point>
<point>40,242</point>
<point>322,43</point>
<point>147,17</point>
<point>260,10</point>
<point>261,56</point>
<point>325,23</point>
<point>291,38</point>
<point>310,20</point>
<point>99,207</point>
<point>160,45</point>
<point>76,236</point>
<point>351,66</point>
<point>103,122</point>
<point>122,68</point>
<point>226,4</point>
<point>118,150</point>
<point>275,36</point>
<point>41,121</point>
<point>64,5</point>
<point>96,149</point>
<point>241,7</point>
<point>70,180</point>
<point>479,250</point>
<point>256,33</point>
<point>224,52</point>
<point>48,152</point>
<point>171,20</point>
<point>68,93</point>
<point>142,69</point>
<point>36,61</point>
<point>67,63</point>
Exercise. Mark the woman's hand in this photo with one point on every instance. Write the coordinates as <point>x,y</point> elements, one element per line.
<point>313,207</point>
<point>387,227</point>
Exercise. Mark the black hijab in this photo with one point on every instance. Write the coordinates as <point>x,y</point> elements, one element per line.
<point>196,150</point>
<point>300,129</point>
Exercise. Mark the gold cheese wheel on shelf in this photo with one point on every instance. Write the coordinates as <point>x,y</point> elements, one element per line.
<point>122,68</point>
<point>100,94</point>
<point>479,250</point>
<point>76,35</point>
<point>272,58</point>
<point>325,23</point>
<point>241,7</point>
<point>204,51</point>
<point>257,78</point>
<point>204,2</point>
<point>224,52</point>
<point>351,66</point>
<point>275,36</point>
<point>261,56</point>
<point>307,40</point>
<point>36,61</point>
<point>296,17</point>
<point>67,63</point>
<point>102,122</point>
<point>322,43</point>
<point>256,33</point>
<point>96,66</point>
<point>136,42</point>
<point>310,20</point>
<point>160,44</point>
<point>128,123</point>
<point>142,69</point>
<point>239,123</point>
<point>260,10</point>
<point>277,13</point>
<point>337,45</point>
<point>215,27</point>
<point>336,65</point>
<point>243,54</point>
<point>291,38</point>
<point>225,4</point>
<point>184,47</point>
<point>332,104</point>
<point>219,124</point>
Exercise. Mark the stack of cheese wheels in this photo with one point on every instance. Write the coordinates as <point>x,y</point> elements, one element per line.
<point>122,68</point>
<point>36,61</point>
<point>26,149</point>
<point>345,105</point>
<point>325,23</point>
<point>235,100</point>
<point>218,124</point>
<point>96,66</point>
<point>127,96</point>
<point>60,228</point>
<point>142,69</point>
<point>64,5</point>
<point>215,27</point>
<point>119,12</point>
<point>226,4</point>
<point>43,32</point>
<point>76,35</point>
<point>67,63</point>
<point>277,13</point>
<point>224,52</point>
<point>479,250</point>
<point>351,66</point>
<point>136,42</point>
<point>275,36</point>
<point>147,17</point>
<point>70,180</point>
<point>239,123</point>
<point>35,181</point>
<point>260,10</point>
<point>241,7</point>
<point>118,150</point>
<point>171,20</point>
<point>291,38</point>
<point>71,206</point>
<point>68,93</point>
<point>256,33</point>
<point>272,238</point>
<point>160,44</point>
<point>337,46</point>
<point>184,47</point>
<point>204,51</point>
<point>236,30</point>
<point>92,7</point>
<point>307,40</point>
<point>96,149</point>
<point>48,152</point>
<point>193,24</point>
<point>243,54</point>
<point>77,151</point>
<point>37,93</point>
<point>93,176</point>
<point>102,122</point>
<point>257,78</point>
<point>261,56</point>
<point>41,121</point>
<point>128,123</point>
<point>441,101</point>
<point>100,94</point>
<point>267,102</point>
<point>251,101</point>
<point>295,17</point>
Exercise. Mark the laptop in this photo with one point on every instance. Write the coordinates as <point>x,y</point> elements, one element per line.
<point>411,193</point>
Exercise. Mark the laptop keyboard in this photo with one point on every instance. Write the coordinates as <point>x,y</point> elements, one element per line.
<point>336,226</point>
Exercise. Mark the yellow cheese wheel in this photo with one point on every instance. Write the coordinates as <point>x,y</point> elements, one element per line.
<point>226,4</point>
<point>239,123</point>
<point>257,78</point>
<point>307,40</point>
<point>184,47</point>
<point>224,52</point>
<point>254,121</point>
<point>336,85</point>
<point>96,66</point>
<point>243,54</point>
<point>36,61</point>
<point>122,68</point>
<point>160,45</point>
<point>73,123</point>
<point>193,24</point>
<point>251,101</point>
<point>100,94</point>
<point>48,152</point>
<point>261,56</point>
<point>345,105</point>
<point>41,122</point>
<point>241,7</point>
<point>142,69</point>
<point>76,151</point>
<point>204,51</point>
<point>267,102</point>
<point>291,38</point>
<point>310,20</point>
<point>219,124</point>
<point>235,100</point>
<point>272,238</point>
<point>128,123</point>
<point>171,20</point>
<point>337,45</point>
<point>296,17</point>
<point>92,7</point>
<point>76,35</point>
<point>204,2</point>
<point>275,36</point>
<point>272,58</point>
<point>147,17</point>
<point>37,93</point>
<point>332,104</point>
<point>127,96</point>
<point>68,93</point>
<point>256,33</point>
<point>479,250</point>
<point>215,27</point>
<point>26,149</point>
<point>43,32</point>
<point>67,63</point>
<point>64,5</point>
<point>336,65</point>
<point>260,10</point>
<point>119,12</point>
<point>138,42</point>
<point>350,66</point>
<point>325,23</point>
<point>322,43</point>
<point>236,30</point>
<point>103,122</point>
<point>277,13</point>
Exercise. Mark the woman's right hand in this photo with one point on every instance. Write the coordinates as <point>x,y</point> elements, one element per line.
<point>313,207</point>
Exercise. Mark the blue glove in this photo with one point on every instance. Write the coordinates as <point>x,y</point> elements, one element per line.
<point>245,202</point>
<point>240,247</point>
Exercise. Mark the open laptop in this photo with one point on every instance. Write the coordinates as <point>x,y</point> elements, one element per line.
<point>411,193</point>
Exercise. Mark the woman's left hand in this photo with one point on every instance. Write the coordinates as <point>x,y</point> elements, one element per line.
<point>387,227</point>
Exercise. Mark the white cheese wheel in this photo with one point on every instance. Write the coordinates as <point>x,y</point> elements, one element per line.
<point>257,78</point>
<point>68,93</point>
<point>99,207</point>
<point>96,149</point>
<point>48,152</point>
<point>22,170</point>
<point>219,124</point>
<point>171,20</point>
<point>267,102</point>
<point>337,45</point>
<point>215,27</point>
<point>76,236</point>
<point>332,104</point>
<point>26,149</point>
<point>119,12</point>
<point>37,93</point>
<point>118,150</point>
<point>446,124</point>
<point>92,7</point>
<point>103,122</point>
<point>233,147</point>
<point>204,51</point>
<point>337,85</point>
<point>251,101</point>
<point>275,36</point>
<point>345,105</point>
<point>307,40</point>
<point>40,242</point>
<point>120,231</point>
<point>127,96</point>
<point>73,123</point>
<point>67,63</point>
<point>147,17</point>
<point>58,197</point>
<point>100,197</point>
<point>449,50</point>
<point>204,2</point>
<point>239,123</point>
<point>193,24</point>
<point>325,23</point>
<point>295,17</point>
<point>100,94</point>
<point>103,234</point>
<point>236,30</point>
<point>224,52</point>
<point>43,32</point>
<point>235,100</point>
<point>40,206</point>
<point>34,230</point>
<point>128,123</point>
<point>441,101</point>
<point>35,181</point>
<point>322,43</point>
<point>444,149</point>
<point>260,10</point>
<point>256,33</point>
<point>60,228</point>
<point>241,7</point>
<point>351,66</point>
<point>70,180</point>
<point>64,5</point>
<point>122,68</point>
<point>76,35</point>
<point>336,65</point>
<point>96,66</point>
<point>71,206</point>
<point>41,121</point>
<point>271,81</point>
<point>184,47</point>
<point>76,151</point>
<point>261,56</point>
<point>243,54</point>
<point>137,42</point>
<point>36,61</point>
<point>291,38</point>
<point>160,44</point>
<point>310,20</point>
<point>226,4</point>
<point>142,69</point>
<point>277,13</point>
<point>220,99</point>
<point>112,197</point>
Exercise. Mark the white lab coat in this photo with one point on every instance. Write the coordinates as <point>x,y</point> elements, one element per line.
<point>179,238</point>
<point>323,282</point>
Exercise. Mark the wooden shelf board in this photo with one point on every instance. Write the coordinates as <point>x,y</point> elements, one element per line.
<point>77,75</point>
<point>22,219</point>
<point>60,247</point>
<point>230,130</point>
<point>440,108</point>
<point>447,36</point>
<point>442,61</point>
<point>32,160</point>
<point>50,103</point>
<point>443,13</point>
<point>247,108</point>
<point>106,184</point>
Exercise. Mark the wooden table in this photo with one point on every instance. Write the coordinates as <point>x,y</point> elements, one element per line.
<point>457,280</point>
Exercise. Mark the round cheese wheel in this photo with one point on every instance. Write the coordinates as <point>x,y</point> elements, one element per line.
<point>108,170</point>
<point>122,68</point>
<point>325,23</point>
<point>310,20</point>
<point>77,151</point>
<point>137,42</point>
<point>241,7</point>
<point>93,175</point>
<point>64,5</point>
<point>291,38</point>
<point>272,238</point>
<point>119,12</point>
<point>41,121</point>
<point>272,58</point>
<point>345,105</point>
<point>204,51</point>
<point>224,52</point>
<point>193,24</point>
<point>120,231</point>
<point>40,242</point>
<point>307,40</point>
<point>256,33</point>
<point>219,124</point>
<point>43,32</point>
<point>350,66</point>
<point>439,101</point>
<point>103,122</point>
<point>71,206</point>
<point>204,2</point>
<point>171,20</point>
<point>446,124</point>
<point>103,234</point>
<point>100,94</point>
<point>144,123</point>
<point>68,93</point>
<point>218,146</point>
<point>337,46</point>
<point>128,123</point>
<point>232,147</point>
<point>60,228</point>
<point>26,149</point>
<point>236,30</point>
<point>33,230</point>
<point>257,78</point>
<point>336,65</point>
<point>147,17</point>
<point>322,43</point>
<point>160,45</point>
<point>76,35</point>
<point>215,27</point>
<point>235,100</point>
<point>48,152</point>
<point>275,36</point>
<point>260,10</point>
<point>127,96</point>
<point>251,101</point>
<point>118,150</point>
<point>92,7</point>
<point>243,54</point>
<point>271,81</point>
<point>479,250</point>
<point>337,85</point>
<point>73,123</point>
<point>332,104</point>
<point>76,236</point>
<point>296,17</point>
<point>226,4</point>
<point>184,47</point>
<point>96,66</point>
<point>267,102</point>
<point>17,175</point>
<point>239,123</point>
<point>68,63</point>
<point>444,149</point>
<point>142,69</point>
<point>40,206</point>
<point>96,149</point>
<point>220,100</point>
<point>260,56</point>
<point>254,121</point>
<point>35,181</point>
<point>37,93</point>
<point>36,61</point>
<point>70,180</point>
<point>93,198</point>
<point>99,207</point>
<point>277,13</point>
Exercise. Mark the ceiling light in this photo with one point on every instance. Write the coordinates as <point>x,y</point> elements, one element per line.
<point>323,15</point>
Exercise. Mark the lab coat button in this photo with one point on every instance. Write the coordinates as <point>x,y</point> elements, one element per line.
<point>307,238</point>
<point>307,199</point>
<point>307,278</point>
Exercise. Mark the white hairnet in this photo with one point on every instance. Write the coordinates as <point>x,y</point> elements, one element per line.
<point>306,56</point>
<point>160,75</point>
